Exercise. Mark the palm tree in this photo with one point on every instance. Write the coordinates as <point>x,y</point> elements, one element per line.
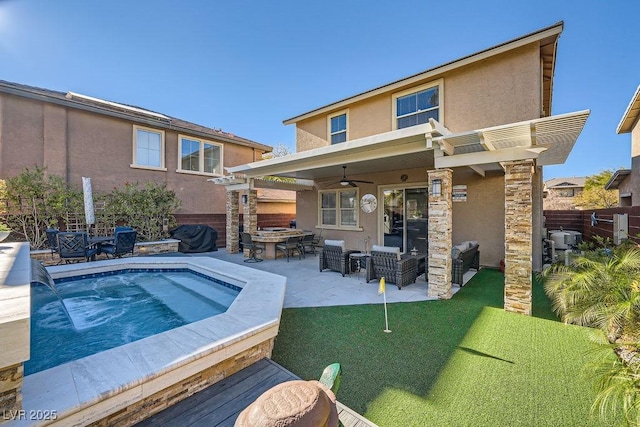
<point>599,291</point>
<point>603,291</point>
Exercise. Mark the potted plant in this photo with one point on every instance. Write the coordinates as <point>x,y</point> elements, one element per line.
<point>4,231</point>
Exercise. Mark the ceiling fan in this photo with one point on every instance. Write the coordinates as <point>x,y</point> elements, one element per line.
<point>344,181</point>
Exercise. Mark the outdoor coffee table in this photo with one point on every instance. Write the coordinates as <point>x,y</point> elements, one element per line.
<point>360,261</point>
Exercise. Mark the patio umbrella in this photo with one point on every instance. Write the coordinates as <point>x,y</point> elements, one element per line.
<point>89,212</point>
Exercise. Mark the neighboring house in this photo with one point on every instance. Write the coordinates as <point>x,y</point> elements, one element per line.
<point>74,135</point>
<point>451,154</point>
<point>560,193</point>
<point>627,181</point>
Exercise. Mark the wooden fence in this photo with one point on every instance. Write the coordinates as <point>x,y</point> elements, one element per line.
<point>581,221</point>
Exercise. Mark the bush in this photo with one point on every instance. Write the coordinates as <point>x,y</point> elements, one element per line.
<point>33,202</point>
<point>143,208</point>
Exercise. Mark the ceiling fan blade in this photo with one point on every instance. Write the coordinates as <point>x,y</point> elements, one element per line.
<point>364,182</point>
<point>351,183</point>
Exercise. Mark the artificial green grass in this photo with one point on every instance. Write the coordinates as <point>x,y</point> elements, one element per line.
<point>463,361</point>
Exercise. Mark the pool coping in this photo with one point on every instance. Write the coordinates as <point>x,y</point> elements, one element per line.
<point>91,388</point>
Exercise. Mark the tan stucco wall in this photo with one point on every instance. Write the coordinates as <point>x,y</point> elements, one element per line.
<point>481,217</point>
<point>499,90</point>
<point>73,143</point>
<point>635,139</point>
<point>276,208</point>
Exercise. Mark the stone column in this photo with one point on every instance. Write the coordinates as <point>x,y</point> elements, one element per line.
<point>250,214</point>
<point>518,224</point>
<point>440,229</point>
<point>11,392</point>
<point>233,222</point>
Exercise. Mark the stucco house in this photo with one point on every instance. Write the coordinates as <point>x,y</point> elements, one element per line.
<point>74,135</point>
<point>560,193</point>
<point>451,154</point>
<point>627,181</point>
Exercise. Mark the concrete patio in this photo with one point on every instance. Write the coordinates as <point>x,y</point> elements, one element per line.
<point>308,287</point>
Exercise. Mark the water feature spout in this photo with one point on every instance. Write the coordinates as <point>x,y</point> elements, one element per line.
<point>39,274</point>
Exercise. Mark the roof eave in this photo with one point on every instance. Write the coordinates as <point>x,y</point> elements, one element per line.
<point>552,31</point>
<point>630,115</point>
<point>163,123</point>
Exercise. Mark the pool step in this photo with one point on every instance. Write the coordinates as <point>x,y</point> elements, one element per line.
<point>191,301</point>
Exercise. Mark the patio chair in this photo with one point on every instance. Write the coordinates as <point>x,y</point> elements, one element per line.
<point>307,244</point>
<point>290,245</point>
<point>74,246</point>
<point>386,261</point>
<point>123,243</point>
<point>335,257</point>
<point>253,248</point>
<point>52,239</point>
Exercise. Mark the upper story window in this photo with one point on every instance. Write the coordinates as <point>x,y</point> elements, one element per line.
<point>148,148</point>
<point>339,208</point>
<point>338,127</point>
<point>416,106</point>
<point>199,156</point>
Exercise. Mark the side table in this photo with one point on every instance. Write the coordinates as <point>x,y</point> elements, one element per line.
<point>360,261</point>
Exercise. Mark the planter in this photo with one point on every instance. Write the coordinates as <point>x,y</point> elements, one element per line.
<point>4,235</point>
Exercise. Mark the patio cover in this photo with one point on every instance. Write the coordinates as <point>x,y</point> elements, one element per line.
<point>548,140</point>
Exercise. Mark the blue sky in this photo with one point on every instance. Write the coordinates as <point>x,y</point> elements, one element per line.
<point>245,66</point>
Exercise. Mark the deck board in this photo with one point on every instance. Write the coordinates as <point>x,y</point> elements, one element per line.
<point>221,403</point>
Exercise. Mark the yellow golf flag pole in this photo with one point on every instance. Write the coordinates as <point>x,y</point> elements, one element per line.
<point>382,290</point>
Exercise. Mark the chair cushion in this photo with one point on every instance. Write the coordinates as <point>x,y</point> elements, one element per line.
<point>390,249</point>
<point>335,243</point>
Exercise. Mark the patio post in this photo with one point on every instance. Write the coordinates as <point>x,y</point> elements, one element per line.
<point>250,214</point>
<point>518,228</point>
<point>440,230</point>
<point>233,223</point>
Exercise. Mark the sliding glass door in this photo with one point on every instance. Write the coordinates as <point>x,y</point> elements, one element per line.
<point>405,215</point>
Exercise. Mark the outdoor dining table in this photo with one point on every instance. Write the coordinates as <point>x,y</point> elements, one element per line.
<point>271,237</point>
<point>99,241</point>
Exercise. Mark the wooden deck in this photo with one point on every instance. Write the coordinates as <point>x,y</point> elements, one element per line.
<point>221,403</point>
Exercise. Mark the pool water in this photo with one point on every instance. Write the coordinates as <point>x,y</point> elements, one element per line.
<point>88,315</point>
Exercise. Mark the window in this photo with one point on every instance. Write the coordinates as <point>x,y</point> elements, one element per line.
<point>339,208</point>
<point>417,106</point>
<point>199,156</point>
<point>338,127</point>
<point>148,148</point>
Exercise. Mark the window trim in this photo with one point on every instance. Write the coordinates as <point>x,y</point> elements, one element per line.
<point>200,170</point>
<point>356,207</point>
<point>336,114</point>
<point>394,100</point>
<point>134,146</point>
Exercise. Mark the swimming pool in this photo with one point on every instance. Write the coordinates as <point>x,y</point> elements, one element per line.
<point>135,380</point>
<point>79,316</point>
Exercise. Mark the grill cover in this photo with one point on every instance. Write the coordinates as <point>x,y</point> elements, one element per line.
<point>195,238</point>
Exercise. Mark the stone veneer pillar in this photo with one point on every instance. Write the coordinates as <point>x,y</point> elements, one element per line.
<point>233,223</point>
<point>440,226</point>
<point>250,214</point>
<point>518,224</point>
<point>11,392</point>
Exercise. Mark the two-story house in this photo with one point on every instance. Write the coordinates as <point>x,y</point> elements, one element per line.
<point>451,154</point>
<point>627,181</point>
<point>74,135</point>
<point>560,193</point>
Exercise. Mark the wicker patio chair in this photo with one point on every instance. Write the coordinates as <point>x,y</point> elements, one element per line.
<point>385,261</point>
<point>335,257</point>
